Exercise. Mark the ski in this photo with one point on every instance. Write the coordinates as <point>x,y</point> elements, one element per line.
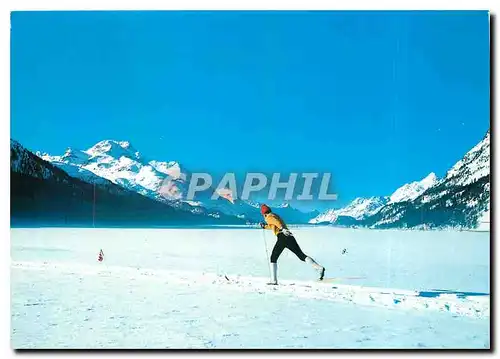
<point>337,279</point>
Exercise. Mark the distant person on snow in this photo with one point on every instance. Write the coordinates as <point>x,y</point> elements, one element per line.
<point>285,239</point>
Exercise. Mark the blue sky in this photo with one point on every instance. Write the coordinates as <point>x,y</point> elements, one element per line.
<point>376,98</point>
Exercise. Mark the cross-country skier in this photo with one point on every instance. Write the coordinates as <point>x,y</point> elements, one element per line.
<point>285,239</point>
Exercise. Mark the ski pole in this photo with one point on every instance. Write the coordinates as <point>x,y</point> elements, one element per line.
<point>267,253</point>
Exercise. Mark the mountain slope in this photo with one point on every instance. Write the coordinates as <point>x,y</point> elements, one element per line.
<point>115,161</point>
<point>120,163</point>
<point>460,199</point>
<point>410,191</point>
<point>473,166</point>
<point>440,206</point>
<point>43,194</point>
<point>357,209</point>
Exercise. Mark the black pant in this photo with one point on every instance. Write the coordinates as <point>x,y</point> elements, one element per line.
<point>286,242</point>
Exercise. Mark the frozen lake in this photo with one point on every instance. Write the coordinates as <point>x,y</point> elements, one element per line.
<point>158,288</point>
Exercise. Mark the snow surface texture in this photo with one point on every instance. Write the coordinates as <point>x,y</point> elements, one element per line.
<point>166,288</point>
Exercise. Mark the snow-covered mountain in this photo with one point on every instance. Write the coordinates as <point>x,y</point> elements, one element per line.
<point>120,163</point>
<point>361,208</point>
<point>410,191</point>
<point>357,209</point>
<point>473,166</point>
<point>44,194</point>
<point>460,199</point>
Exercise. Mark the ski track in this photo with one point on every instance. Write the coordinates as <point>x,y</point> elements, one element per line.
<point>475,305</point>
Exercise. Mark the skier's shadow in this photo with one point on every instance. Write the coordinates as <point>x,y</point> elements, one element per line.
<point>437,292</point>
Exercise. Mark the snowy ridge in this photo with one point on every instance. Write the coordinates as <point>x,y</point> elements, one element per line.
<point>473,166</point>
<point>410,191</point>
<point>364,207</point>
<point>459,200</point>
<point>172,168</point>
<point>456,303</point>
<point>114,149</point>
<point>119,163</point>
<point>358,209</point>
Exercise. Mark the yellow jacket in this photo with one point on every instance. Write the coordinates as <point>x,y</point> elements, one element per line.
<point>274,222</point>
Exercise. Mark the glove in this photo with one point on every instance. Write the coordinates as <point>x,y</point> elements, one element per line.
<point>286,232</point>
<point>262,225</point>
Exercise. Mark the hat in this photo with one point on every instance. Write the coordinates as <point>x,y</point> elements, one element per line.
<point>264,209</point>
